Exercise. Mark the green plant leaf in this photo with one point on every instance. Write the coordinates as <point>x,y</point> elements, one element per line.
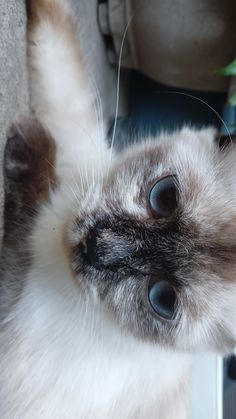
<point>232,100</point>
<point>229,70</point>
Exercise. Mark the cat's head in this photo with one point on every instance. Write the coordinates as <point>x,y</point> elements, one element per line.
<point>157,241</point>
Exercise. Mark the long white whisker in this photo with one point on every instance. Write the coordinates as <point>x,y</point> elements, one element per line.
<point>99,110</point>
<point>118,87</point>
<point>205,103</point>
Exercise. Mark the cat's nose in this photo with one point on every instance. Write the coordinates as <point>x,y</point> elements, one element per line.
<point>90,249</point>
<point>105,249</point>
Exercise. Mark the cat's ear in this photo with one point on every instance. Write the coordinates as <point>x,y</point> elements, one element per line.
<point>224,141</point>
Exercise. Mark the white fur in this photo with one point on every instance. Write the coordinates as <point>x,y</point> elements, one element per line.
<point>72,360</point>
<point>66,357</point>
<point>64,102</point>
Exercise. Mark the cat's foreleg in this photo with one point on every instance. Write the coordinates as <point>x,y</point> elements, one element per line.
<point>29,177</point>
<point>61,94</point>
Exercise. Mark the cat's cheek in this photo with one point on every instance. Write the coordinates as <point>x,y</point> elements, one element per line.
<point>213,328</point>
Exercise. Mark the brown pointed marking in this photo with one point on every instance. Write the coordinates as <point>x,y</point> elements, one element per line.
<point>29,175</point>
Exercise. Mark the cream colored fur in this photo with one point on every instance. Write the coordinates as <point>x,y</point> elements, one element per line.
<point>62,354</point>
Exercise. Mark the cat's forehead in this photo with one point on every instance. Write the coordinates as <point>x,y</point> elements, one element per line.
<point>193,158</point>
<point>187,154</point>
<point>184,148</point>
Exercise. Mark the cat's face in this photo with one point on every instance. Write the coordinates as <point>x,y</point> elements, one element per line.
<point>157,241</point>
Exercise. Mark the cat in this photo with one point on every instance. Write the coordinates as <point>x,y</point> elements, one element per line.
<point>115,268</point>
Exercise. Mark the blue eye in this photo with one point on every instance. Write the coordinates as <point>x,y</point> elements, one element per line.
<point>163,198</point>
<point>163,299</point>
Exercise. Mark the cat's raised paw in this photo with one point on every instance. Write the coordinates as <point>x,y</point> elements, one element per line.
<point>17,154</point>
<point>29,163</point>
<point>29,149</point>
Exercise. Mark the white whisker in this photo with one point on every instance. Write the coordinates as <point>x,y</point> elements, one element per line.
<point>118,87</point>
<point>206,104</point>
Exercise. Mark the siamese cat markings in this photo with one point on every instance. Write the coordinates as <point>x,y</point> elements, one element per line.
<point>115,267</point>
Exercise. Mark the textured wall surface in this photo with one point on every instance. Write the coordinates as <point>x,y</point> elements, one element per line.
<point>13,76</point>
